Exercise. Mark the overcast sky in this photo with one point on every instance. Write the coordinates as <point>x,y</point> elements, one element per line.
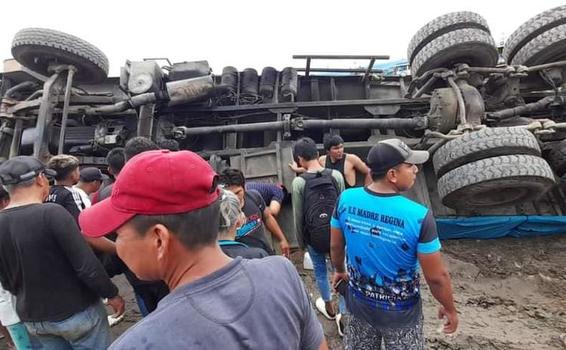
<point>250,33</point>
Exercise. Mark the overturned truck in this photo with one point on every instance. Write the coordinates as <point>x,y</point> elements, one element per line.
<point>493,119</point>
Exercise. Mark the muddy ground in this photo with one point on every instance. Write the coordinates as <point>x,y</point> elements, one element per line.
<point>510,293</point>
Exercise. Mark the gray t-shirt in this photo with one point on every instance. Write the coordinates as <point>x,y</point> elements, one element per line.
<point>248,304</point>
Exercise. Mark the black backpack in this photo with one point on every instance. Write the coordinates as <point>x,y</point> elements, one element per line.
<point>319,198</point>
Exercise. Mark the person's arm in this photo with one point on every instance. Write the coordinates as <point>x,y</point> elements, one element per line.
<point>297,169</point>
<point>277,197</point>
<point>298,186</point>
<point>87,267</point>
<point>337,246</point>
<point>337,255</point>
<point>361,167</point>
<point>324,345</point>
<point>276,231</point>
<point>435,273</point>
<point>438,280</point>
<point>274,207</point>
<point>101,244</point>
<point>70,204</point>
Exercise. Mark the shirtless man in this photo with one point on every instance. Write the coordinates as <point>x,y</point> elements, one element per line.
<point>345,163</point>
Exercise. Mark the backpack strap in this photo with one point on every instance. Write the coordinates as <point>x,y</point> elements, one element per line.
<point>329,173</point>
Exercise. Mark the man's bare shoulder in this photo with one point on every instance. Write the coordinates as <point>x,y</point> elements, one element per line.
<point>352,158</point>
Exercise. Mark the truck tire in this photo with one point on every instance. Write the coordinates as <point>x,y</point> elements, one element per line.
<point>494,182</point>
<point>547,47</point>
<point>557,158</point>
<point>442,25</point>
<point>473,46</point>
<point>36,48</point>
<point>485,143</point>
<point>533,28</point>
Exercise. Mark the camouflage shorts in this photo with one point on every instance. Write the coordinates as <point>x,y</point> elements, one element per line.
<point>360,335</point>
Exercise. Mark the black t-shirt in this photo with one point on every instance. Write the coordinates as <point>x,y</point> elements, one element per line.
<point>252,232</point>
<point>46,263</point>
<point>68,198</point>
<point>234,249</point>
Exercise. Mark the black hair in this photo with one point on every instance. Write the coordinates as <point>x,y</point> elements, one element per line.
<point>137,145</point>
<point>232,177</point>
<point>305,148</point>
<point>195,229</point>
<point>116,159</point>
<point>332,141</point>
<point>4,194</point>
<point>172,145</point>
<point>377,176</point>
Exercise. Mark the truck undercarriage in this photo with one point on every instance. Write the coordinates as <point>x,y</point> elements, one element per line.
<point>495,123</point>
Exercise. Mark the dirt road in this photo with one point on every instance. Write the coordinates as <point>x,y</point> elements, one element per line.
<point>510,294</point>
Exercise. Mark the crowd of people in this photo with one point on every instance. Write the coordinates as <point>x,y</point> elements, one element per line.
<point>198,251</point>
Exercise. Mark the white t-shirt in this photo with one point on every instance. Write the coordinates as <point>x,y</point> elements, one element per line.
<point>8,315</point>
<point>84,196</point>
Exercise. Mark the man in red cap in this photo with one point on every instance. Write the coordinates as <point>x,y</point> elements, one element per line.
<point>165,210</point>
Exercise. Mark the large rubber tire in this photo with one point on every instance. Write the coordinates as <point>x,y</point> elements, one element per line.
<point>485,143</point>
<point>442,25</point>
<point>473,46</point>
<point>549,46</point>
<point>533,28</point>
<point>37,48</point>
<point>494,182</point>
<point>557,158</point>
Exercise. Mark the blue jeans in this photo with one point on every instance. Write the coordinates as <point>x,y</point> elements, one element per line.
<point>87,329</point>
<point>321,276</point>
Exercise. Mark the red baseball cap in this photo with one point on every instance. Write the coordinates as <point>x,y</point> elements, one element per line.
<point>153,183</point>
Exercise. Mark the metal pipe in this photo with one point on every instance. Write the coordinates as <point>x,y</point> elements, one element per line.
<point>143,99</point>
<point>460,99</point>
<point>34,95</point>
<point>546,66</point>
<point>528,108</point>
<point>425,87</point>
<point>342,57</point>
<point>182,132</point>
<point>145,120</point>
<point>70,73</point>
<point>339,70</point>
<point>40,150</point>
<point>21,86</point>
<point>16,138</point>
<point>366,123</point>
<point>505,70</point>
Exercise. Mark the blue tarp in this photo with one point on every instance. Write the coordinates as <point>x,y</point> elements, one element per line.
<point>485,227</point>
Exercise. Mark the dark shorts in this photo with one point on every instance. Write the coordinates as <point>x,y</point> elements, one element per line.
<point>360,335</point>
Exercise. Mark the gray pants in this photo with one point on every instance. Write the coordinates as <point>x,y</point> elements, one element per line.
<point>360,335</point>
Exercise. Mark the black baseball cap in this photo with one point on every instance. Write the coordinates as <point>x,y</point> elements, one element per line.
<point>389,153</point>
<point>22,168</point>
<point>91,174</point>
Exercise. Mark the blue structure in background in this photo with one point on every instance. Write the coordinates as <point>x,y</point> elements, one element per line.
<point>394,68</point>
<point>486,227</point>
